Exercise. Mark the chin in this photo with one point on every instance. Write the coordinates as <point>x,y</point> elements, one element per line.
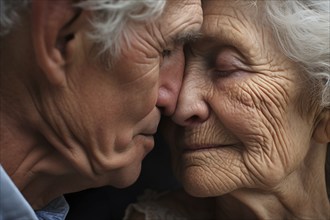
<point>126,178</point>
<point>194,182</point>
<point>197,190</point>
<point>203,190</point>
<point>197,183</point>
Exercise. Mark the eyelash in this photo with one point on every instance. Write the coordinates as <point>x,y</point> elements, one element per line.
<point>223,74</point>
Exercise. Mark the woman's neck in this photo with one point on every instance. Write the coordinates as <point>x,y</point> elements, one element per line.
<point>301,195</point>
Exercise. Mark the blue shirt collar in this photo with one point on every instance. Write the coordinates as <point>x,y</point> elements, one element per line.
<point>55,210</point>
<point>14,206</point>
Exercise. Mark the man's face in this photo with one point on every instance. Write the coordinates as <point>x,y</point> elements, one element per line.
<point>110,115</point>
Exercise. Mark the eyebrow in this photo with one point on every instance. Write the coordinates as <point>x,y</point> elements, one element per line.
<point>186,37</point>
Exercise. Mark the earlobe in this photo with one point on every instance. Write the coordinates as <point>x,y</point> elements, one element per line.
<point>49,18</point>
<point>322,130</point>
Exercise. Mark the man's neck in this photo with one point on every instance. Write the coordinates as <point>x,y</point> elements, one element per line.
<point>31,162</point>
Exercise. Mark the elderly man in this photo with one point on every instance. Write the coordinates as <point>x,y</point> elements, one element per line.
<point>83,84</point>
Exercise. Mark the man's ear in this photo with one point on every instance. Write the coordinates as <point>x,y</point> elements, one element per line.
<point>50,33</point>
<point>322,129</point>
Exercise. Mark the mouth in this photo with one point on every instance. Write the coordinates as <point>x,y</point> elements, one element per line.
<point>147,135</point>
<point>150,131</point>
<point>147,142</point>
<point>199,147</point>
<point>149,125</point>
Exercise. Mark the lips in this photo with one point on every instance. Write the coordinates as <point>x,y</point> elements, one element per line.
<point>151,130</point>
<point>196,147</point>
<point>148,126</point>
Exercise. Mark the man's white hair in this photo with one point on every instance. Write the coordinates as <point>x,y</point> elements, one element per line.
<point>110,22</point>
<point>302,30</point>
<point>9,14</point>
<point>114,20</point>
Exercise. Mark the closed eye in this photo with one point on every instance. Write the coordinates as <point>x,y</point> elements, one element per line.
<point>226,62</point>
<point>222,73</point>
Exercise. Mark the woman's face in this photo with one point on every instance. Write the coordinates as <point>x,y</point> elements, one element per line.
<point>239,124</point>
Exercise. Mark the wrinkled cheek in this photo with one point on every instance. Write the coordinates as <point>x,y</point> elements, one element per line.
<point>238,113</point>
<point>150,93</point>
<point>255,134</point>
<point>141,101</point>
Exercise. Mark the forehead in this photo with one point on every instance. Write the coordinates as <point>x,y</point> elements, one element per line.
<point>181,16</point>
<point>216,6</point>
<point>225,12</point>
<point>238,24</point>
<point>230,22</point>
<point>175,6</point>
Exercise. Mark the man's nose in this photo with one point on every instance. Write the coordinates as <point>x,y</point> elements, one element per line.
<point>170,80</point>
<point>168,95</point>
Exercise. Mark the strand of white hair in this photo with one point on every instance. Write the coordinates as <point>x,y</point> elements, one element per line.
<point>111,22</point>
<point>302,29</point>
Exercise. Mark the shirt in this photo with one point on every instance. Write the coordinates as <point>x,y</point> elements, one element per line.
<point>13,205</point>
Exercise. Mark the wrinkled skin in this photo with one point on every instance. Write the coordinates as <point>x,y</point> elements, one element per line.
<point>239,127</point>
<point>79,124</point>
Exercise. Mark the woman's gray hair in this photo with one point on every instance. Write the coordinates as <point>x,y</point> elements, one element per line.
<point>302,30</point>
<point>111,22</point>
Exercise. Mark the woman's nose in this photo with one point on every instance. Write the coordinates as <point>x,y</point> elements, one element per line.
<point>192,108</point>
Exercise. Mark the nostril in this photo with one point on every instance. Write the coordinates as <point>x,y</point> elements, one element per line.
<point>161,109</point>
<point>188,114</point>
<point>193,120</point>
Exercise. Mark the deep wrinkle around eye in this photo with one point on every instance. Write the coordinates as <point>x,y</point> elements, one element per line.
<point>226,61</point>
<point>222,74</point>
<point>227,58</point>
<point>166,53</point>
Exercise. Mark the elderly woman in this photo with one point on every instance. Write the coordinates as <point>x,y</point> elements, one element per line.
<point>253,119</point>
<point>83,84</point>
